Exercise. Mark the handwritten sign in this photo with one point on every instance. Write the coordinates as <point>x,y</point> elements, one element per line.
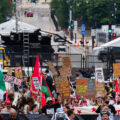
<point>99,74</point>
<point>65,71</point>
<point>66,62</point>
<point>17,81</point>
<point>91,88</point>
<point>36,82</point>
<point>116,68</point>
<point>82,87</point>
<point>100,89</point>
<point>8,78</point>
<point>12,79</point>
<point>64,89</point>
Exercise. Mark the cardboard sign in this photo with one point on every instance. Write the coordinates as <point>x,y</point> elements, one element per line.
<point>65,71</point>
<point>64,89</point>
<point>66,62</point>
<point>9,72</point>
<point>116,68</point>
<point>91,88</point>
<point>100,89</point>
<point>36,82</point>
<point>82,87</point>
<point>52,68</point>
<point>18,72</point>
<point>99,74</point>
<point>8,78</point>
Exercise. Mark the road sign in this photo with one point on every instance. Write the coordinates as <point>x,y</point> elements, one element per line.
<point>83,33</point>
<point>83,27</point>
<point>75,26</point>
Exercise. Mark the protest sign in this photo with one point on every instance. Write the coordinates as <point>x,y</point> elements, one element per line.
<point>65,71</point>
<point>66,62</point>
<point>52,68</point>
<point>18,72</point>
<point>8,78</point>
<point>116,69</point>
<point>64,89</point>
<point>36,82</point>
<point>100,89</point>
<point>17,81</point>
<point>82,87</point>
<point>91,88</point>
<point>99,74</point>
<point>9,72</point>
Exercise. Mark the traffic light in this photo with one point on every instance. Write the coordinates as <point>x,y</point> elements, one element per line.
<point>72,25</point>
<point>114,35</point>
<point>110,29</point>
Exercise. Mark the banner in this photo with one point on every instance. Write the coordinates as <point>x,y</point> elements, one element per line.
<point>99,74</point>
<point>100,89</point>
<point>36,83</point>
<point>82,87</point>
<point>12,79</point>
<point>8,78</point>
<point>18,81</point>
<point>116,69</point>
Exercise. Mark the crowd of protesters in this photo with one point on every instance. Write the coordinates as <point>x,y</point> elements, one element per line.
<point>62,109</point>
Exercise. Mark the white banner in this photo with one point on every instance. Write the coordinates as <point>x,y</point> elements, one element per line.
<point>91,109</point>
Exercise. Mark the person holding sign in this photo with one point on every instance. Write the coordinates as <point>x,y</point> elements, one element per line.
<point>79,74</point>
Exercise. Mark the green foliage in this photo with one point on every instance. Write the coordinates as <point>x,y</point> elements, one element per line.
<point>61,10</point>
<point>5,9</point>
<point>93,13</point>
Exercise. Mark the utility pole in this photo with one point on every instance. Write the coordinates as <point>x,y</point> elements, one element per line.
<point>71,22</point>
<point>110,26</point>
<point>115,10</point>
<point>16,10</point>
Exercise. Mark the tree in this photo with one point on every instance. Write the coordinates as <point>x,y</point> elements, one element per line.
<point>61,10</point>
<point>6,8</point>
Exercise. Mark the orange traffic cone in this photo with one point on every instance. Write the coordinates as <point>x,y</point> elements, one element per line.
<point>74,44</point>
<point>78,43</point>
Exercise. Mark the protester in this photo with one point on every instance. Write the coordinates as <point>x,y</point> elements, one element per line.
<point>34,109</point>
<point>8,108</point>
<point>79,74</point>
<point>50,108</point>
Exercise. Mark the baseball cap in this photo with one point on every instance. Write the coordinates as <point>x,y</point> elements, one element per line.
<point>104,112</point>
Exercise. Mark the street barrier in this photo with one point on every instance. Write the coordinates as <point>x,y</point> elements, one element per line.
<point>43,117</point>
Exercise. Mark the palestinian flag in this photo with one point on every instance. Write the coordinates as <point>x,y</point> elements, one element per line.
<point>2,86</point>
<point>45,92</point>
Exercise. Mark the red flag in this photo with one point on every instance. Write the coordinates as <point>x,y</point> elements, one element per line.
<point>37,74</point>
<point>117,87</point>
<point>7,99</point>
<point>117,91</point>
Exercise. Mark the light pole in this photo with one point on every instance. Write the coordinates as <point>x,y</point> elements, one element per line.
<point>16,10</point>
<point>115,10</point>
<point>71,22</point>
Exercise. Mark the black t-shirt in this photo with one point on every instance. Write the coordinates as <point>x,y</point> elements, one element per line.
<point>48,110</point>
<point>112,108</point>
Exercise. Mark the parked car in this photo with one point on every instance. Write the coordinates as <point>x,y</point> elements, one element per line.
<point>29,14</point>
